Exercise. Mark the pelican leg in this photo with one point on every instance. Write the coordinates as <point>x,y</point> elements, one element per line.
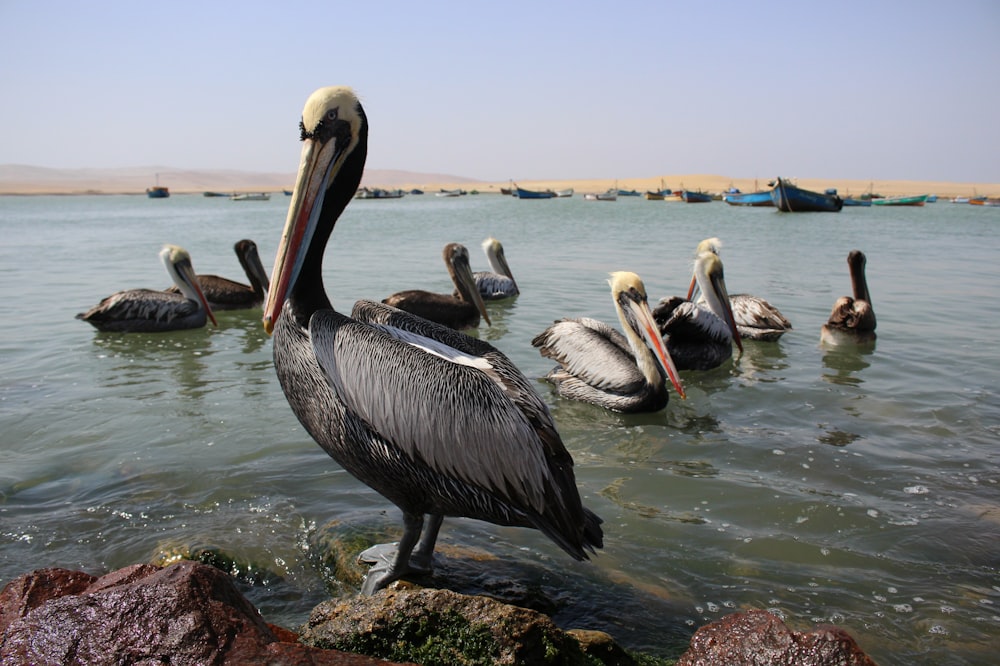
<point>391,562</point>
<point>422,559</point>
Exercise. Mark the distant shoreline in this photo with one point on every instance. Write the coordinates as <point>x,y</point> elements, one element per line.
<point>25,180</point>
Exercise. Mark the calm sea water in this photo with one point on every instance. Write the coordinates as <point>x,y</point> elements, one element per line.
<point>858,488</point>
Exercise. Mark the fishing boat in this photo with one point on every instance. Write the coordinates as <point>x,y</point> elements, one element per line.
<point>792,199</point>
<point>562,194</point>
<point>157,192</point>
<point>690,196</point>
<point>918,200</point>
<point>378,193</point>
<point>610,195</point>
<point>851,201</point>
<point>734,197</point>
<point>628,193</point>
<point>534,194</point>
<point>250,196</point>
<point>449,193</point>
<point>215,194</point>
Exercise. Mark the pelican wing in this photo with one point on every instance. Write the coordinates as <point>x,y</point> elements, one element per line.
<point>436,402</point>
<point>755,312</point>
<point>493,286</point>
<point>141,304</point>
<point>593,352</point>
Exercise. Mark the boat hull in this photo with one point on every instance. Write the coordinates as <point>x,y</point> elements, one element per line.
<point>522,193</point>
<point>157,192</point>
<point>901,201</point>
<point>695,197</point>
<point>762,198</point>
<point>791,199</point>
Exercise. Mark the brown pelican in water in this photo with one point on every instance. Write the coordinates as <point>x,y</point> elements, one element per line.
<point>439,423</point>
<point>499,283</point>
<point>151,311</point>
<point>459,312</point>
<point>852,319</point>
<point>700,335</point>
<point>597,364</point>
<point>756,319</point>
<point>225,294</point>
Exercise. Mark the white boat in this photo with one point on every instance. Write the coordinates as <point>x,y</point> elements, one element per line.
<point>564,193</point>
<point>250,196</point>
<point>610,195</point>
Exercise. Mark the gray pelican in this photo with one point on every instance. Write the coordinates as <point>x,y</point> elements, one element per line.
<point>597,364</point>
<point>225,294</point>
<point>756,319</point>
<point>151,311</point>
<point>700,335</point>
<point>458,312</point>
<point>499,283</point>
<point>439,423</point>
<point>852,319</point>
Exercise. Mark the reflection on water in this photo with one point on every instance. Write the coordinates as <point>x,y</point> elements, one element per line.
<point>846,362</point>
<point>138,361</point>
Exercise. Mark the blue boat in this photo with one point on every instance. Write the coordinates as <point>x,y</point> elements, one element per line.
<point>759,198</point>
<point>534,194</point>
<point>695,197</point>
<point>851,201</point>
<point>792,199</point>
<point>157,192</point>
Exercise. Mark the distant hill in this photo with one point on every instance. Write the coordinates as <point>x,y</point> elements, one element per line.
<point>27,179</point>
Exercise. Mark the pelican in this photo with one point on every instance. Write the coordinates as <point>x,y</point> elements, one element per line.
<point>225,294</point>
<point>499,283</point>
<point>852,319</point>
<point>458,312</point>
<point>756,319</point>
<point>151,311</point>
<point>439,423</point>
<point>700,335</point>
<point>597,364</point>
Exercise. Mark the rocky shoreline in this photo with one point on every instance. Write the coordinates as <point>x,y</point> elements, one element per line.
<point>193,613</point>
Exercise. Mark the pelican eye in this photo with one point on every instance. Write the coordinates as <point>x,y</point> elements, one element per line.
<point>325,128</point>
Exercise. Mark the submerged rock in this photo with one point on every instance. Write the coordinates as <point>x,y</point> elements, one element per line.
<point>757,637</point>
<point>443,627</point>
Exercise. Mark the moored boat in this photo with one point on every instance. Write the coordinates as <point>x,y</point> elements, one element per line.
<point>689,196</point>
<point>157,192</point>
<point>534,194</point>
<point>792,199</point>
<point>250,196</point>
<point>759,198</point>
<point>851,201</point>
<point>610,195</point>
<point>562,194</point>
<point>918,200</point>
<point>215,194</point>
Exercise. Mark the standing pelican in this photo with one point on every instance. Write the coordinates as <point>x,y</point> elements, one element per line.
<point>700,335</point>
<point>756,319</point>
<point>852,319</point>
<point>597,364</point>
<point>499,283</point>
<point>458,312</point>
<point>225,294</point>
<point>151,311</point>
<point>439,423</point>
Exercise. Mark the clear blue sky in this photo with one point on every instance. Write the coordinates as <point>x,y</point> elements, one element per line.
<point>524,90</point>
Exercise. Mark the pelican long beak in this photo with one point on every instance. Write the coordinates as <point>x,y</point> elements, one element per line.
<point>193,288</point>
<point>505,269</point>
<point>642,317</point>
<point>719,286</point>
<point>463,272</point>
<point>256,267</point>
<point>318,162</point>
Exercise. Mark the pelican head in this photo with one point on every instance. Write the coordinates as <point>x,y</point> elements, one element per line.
<point>710,281</point>
<point>178,264</point>
<point>629,295</point>
<point>498,260</point>
<point>456,257</point>
<point>334,132</point>
<point>712,245</point>
<point>246,252</point>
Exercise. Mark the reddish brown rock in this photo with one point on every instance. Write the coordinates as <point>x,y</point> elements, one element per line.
<point>188,613</point>
<point>758,638</point>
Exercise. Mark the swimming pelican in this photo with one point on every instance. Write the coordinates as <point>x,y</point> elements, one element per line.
<point>439,423</point>
<point>151,311</point>
<point>225,294</point>
<point>458,312</point>
<point>756,319</point>
<point>700,335</point>
<point>852,319</point>
<point>499,283</point>
<point>597,364</point>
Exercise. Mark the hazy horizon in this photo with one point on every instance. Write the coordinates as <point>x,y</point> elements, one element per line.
<point>891,91</point>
